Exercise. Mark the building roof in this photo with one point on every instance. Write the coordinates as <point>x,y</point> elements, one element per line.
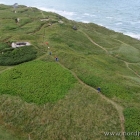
<point>20,44</point>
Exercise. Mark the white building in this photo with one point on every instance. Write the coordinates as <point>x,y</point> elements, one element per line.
<point>20,44</point>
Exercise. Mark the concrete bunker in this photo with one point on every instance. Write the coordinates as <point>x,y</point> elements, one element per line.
<point>19,44</point>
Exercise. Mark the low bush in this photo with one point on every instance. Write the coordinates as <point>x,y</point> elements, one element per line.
<point>10,56</point>
<point>37,82</point>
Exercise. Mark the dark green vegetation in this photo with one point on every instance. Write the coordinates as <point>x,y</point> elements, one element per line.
<point>37,82</point>
<point>11,56</point>
<point>93,54</point>
<point>132,122</point>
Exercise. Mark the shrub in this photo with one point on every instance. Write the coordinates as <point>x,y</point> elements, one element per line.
<point>37,82</point>
<point>16,56</point>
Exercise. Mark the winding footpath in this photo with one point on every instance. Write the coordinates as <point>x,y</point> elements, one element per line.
<point>117,106</point>
<point>10,67</point>
<point>94,42</point>
<point>127,65</point>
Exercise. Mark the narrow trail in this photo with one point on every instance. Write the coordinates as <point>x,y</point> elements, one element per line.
<point>127,65</point>
<point>10,67</point>
<point>117,106</point>
<point>42,13</point>
<point>94,42</point>
<point>37,29</point>
<point>42,56</point>
<point>122,42</point>
<point>6,39</point>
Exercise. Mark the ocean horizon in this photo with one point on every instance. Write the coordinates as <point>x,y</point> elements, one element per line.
<point>121,16</point>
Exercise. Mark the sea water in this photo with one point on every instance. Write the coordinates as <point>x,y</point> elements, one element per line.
<point>119,15</point>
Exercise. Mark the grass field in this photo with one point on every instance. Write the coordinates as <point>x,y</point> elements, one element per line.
<point>6,135</point>
<point>44,99</point>
<point>82,114</point>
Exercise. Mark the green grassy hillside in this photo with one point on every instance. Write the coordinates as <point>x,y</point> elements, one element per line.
<point>49,100</point>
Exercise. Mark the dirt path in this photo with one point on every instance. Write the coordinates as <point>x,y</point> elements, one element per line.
<point>42,56</point>
<point>127,65</point>
<point>6,39</point>
<point>122,42</point>
<point>117,106</point>
<point>42,13</point>
<point>94,42</point>
<point>10,67</point>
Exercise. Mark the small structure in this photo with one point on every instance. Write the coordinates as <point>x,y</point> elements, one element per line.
<point>74,27</point>
<point>60,21</point>
<point>44,19</point>
<point>20,44</point>
<point>49,24</point>
<point>15,6</point>
<point>17,20</point>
